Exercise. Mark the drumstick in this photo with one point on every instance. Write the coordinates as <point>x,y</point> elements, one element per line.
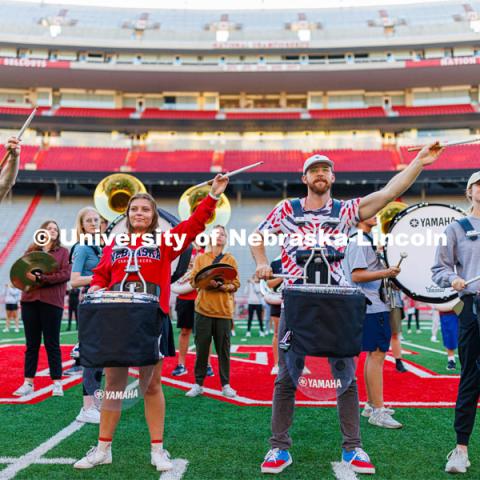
<point>446,144</point>
<point>279,275</point>
<point>230,174</point>
<point>19,136</point>
<point>403,255</point>
<point>472,280</point>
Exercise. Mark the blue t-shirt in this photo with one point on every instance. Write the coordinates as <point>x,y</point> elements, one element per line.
<point>85,259</point>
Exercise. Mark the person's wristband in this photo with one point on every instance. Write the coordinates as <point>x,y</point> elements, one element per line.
<point>214,196</point>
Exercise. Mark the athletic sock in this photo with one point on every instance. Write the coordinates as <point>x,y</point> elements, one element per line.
<point>104,443</point>
<point>451,358</point>
<point>157,445</point>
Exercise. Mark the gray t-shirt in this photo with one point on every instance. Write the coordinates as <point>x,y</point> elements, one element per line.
<point>364,257</point>
<point>460,257</point>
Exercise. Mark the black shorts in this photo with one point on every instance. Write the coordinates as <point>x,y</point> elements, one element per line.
<point>185,313</point>
<point>275,310</point>
<point>11,307</point>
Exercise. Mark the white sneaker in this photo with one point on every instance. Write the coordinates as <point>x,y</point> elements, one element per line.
<point>5,330</point>
<point>457,461</point>
<point>25,389</point>
<point>381,418</point>
<point>418,330</point>
<point>434,339</point>
<point>94,457</point>
<point>232,333</point>
<point>248,334</point>
<point>17,330</point>
<point>89,415</point>
<point>409,331</point>
<point>228,391</point>
<point>195,391</point>
<point>57,389</point>
<point>274,370</point>
<point>368,410</point>
<point>262,334</point>
<point>161,460</point>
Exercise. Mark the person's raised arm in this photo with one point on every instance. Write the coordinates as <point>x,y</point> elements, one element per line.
<point>9,172</point>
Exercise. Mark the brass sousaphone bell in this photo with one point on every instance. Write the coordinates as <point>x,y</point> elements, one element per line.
<point>192,197</point>
<point>388,213</point>
<point>113,193</point>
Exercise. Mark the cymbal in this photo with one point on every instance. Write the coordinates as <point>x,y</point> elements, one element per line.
<point>221,272</point>
<point>32,262</point>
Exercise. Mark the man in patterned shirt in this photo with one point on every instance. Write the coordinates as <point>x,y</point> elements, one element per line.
<point>317,208</point>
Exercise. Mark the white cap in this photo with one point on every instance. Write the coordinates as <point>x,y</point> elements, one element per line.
<point>473,179</point>
<point>314,159</point>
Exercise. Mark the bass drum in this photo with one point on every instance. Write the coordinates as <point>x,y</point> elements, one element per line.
<point>416,231</point>
<point>166,221</point>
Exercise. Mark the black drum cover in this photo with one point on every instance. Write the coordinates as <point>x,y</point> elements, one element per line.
<point>119,334</point>
<point>325,325</point>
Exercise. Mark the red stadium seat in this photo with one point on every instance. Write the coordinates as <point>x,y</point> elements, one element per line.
<point>348,113</point>
<point>179,114</point>
<point>348,160</point>
<point>434,110</point>
<point>459,157</point>
<point>94,112</point>
<point>176,161</point>
<point>27,154</point>
<point>82,159</point>
<point>274,160</point>
<point>263,116</point>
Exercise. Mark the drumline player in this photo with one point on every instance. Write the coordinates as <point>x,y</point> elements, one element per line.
<point>455,263</point>
<point>214,309</point>
<point>317,208</point>
<point>42,311</point>
<point>142,218</point>
<point>85,258</point>
<point>9,171</point>
<point>365,269</point>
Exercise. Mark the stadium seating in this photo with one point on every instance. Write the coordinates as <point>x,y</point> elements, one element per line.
<point>177,161</point>
<point>94,112</point>
<point>274,160</point>
<point>179,114</point>
<point>27,155</point>
<point>263,116</point>
<point>348,113</point>
<point>459,157</point>
<point>82,158</point>
<point>434,110</point>
<point>348,160</point>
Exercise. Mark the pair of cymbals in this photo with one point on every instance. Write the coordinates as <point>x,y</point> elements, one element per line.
<point>35,263</point>
<point>220,272</point>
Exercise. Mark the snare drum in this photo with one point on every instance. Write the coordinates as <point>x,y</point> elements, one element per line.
<point>119,329</point>
<point>415,231</point>
<point>325,320</point>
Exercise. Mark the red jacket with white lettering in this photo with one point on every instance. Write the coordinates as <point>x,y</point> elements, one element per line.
<point>155,266</point>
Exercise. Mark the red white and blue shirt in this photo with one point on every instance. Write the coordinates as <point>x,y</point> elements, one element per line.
<point>281,220</point>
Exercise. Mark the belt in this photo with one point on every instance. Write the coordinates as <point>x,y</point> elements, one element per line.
<point>152,288</point>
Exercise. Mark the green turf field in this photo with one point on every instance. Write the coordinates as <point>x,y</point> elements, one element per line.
<point>224,441</point>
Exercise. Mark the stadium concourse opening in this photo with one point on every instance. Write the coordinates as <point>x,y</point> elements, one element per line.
<point>132,107</point>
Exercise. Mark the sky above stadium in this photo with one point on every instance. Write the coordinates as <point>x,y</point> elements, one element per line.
<point>232,4</point>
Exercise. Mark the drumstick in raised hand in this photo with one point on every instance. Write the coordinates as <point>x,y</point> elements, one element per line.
<point>230,174</point>
<point>447,144</point>
<point>19,135</point>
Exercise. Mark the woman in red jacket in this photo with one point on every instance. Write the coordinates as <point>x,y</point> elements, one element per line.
<point>42,311</point>
<point>155,266</point>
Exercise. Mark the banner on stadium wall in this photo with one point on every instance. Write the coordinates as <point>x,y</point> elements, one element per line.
<point>443,62</point>
<point>33,63</point>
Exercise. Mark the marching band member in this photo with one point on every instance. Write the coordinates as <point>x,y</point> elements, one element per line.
<point>9,172</point>
<point>455,263</point>
<point>316,209</point>
<point>84,259</point>
<point>142,218</point>
<point>364,268</point>
<point>214,308</point>
<point>42,311</point>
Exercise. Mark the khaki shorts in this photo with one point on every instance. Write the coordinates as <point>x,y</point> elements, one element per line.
<point>396,316</point>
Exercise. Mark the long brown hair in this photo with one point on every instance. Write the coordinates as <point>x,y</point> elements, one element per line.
<point>145,196</point>
<point>33,247</point>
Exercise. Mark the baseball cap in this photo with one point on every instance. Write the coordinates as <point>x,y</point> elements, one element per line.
<point>473,179</point>
<point>314,159</point>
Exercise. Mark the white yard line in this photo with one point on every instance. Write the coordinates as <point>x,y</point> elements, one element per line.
<point>421,347</point>
<point>420,372</point>
<point>42,461</point>
<point>31,457</point>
